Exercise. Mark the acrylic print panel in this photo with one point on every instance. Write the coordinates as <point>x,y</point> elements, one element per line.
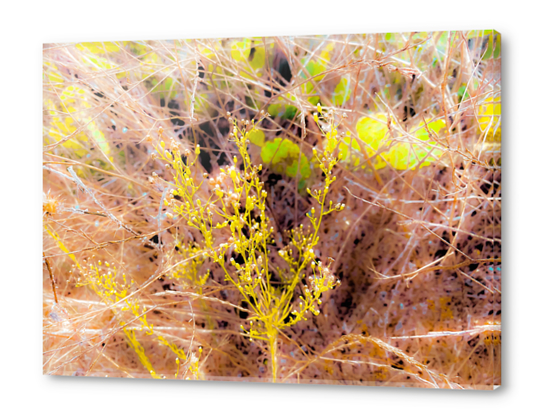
<point>310,209</point>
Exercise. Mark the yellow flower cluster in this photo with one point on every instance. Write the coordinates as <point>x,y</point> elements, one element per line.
<point>238,201</point>
<point>114,292</point>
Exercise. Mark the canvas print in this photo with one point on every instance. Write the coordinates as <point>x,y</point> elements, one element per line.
<point>304,209</point>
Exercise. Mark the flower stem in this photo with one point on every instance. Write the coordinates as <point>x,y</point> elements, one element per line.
<point>273,341</point>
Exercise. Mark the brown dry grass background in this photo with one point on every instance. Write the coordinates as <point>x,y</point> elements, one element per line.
<point>417,250</point>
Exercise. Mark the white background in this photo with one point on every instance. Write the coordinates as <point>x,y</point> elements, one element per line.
<point>24,26</point>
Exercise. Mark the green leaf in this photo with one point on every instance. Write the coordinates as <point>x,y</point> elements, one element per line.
<point>284,156</point>
<point>315,100</point>
<point>342,92</point>
<point>489,113</point>
<point>278,150</point>
<point>274,109</point>
<point>290,112</point>
<point>258,60</point>
<point>98,47</point>
<point>493,45</point>
<point>349,151</point>
<point>240,51</point>
<point>163,87</point>
<point>435,126</point>
<point>314,68</point>
<point>256,137</point>
<point>405,155</point>
<point>280,109</point>
<point>372,131</point>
